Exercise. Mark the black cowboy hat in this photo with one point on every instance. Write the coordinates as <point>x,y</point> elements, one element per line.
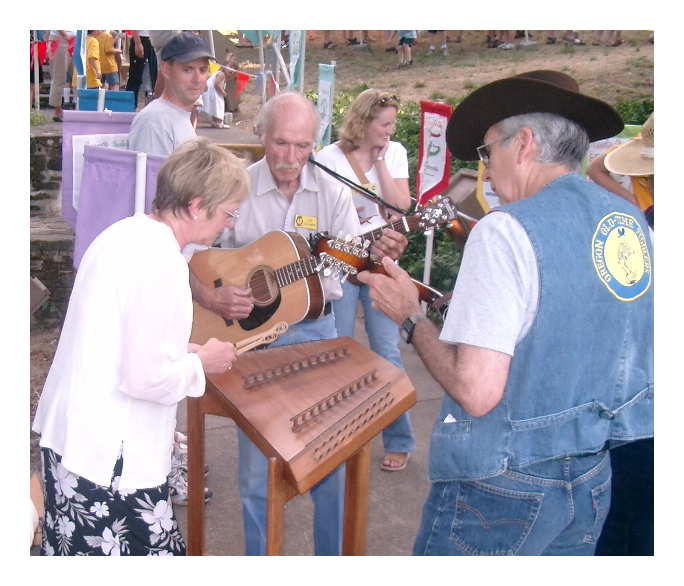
<point>534,91</point>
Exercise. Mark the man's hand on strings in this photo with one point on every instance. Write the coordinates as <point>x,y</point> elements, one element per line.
<point>392,244</point>
<point>393,293</point>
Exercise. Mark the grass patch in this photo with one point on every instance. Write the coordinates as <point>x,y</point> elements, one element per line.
<point>437,95</point>
<point>419,84</point>
<point>37,119</point>
<point>640,62</point>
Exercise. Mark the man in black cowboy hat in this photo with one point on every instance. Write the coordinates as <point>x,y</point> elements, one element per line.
<point>546,354</point>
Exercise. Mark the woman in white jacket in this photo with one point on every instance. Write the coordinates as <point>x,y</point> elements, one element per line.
<point>108,408</point>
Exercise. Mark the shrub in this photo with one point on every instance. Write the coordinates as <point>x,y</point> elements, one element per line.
<point>635,112</point>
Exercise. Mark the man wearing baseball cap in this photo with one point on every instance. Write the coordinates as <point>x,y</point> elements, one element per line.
<point>546,354</point>
<point>164,123</point>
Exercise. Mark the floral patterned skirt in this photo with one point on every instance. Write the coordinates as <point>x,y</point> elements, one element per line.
<point>83,518</point>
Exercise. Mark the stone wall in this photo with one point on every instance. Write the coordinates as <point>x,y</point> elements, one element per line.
<point>52,239</point>
<point>46,175</point>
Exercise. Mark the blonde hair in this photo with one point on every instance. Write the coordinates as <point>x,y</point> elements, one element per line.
<point>361,113</point>
<point>199,168</point>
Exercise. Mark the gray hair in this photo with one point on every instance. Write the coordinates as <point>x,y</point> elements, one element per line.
<point>273,107</point>
<point>558,139</point>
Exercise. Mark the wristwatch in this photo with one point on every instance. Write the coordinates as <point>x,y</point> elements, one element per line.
<point>409,325</point>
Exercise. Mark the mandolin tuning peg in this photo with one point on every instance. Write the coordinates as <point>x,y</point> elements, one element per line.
<point>366,243</point>
<point>348,238</point>
<point>327,271</point>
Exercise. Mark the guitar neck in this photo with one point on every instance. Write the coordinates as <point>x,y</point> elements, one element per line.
<point>295,271</point>
<point>404,225</point>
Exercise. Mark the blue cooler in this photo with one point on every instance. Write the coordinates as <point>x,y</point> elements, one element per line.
<point>116,101</point>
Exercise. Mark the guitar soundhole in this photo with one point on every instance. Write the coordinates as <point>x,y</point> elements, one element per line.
<point>266,298</point>
<point>262,281</point>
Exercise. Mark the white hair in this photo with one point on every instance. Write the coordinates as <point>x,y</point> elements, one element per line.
<point>273,107</point>
<point>558,139</point>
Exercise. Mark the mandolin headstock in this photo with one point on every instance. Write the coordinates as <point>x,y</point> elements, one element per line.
<point>440,211</point>
<point>341,256</point>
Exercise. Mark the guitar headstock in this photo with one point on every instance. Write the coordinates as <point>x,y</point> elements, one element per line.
<point>440,211</point>
<point>341,256</point>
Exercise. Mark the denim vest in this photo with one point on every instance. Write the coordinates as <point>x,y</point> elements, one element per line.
<point>581,379</point>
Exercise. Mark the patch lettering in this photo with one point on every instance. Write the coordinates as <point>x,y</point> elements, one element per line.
<point>306,222</point>
<point>621,257</point>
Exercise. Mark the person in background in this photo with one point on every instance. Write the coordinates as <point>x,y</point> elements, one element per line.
<point>60,64</point>
<point>406,41</point>
<point>140,52</point>
<point>214,98</point>
<point>108,66</point>
<point>162,125</point>
<point>443,46</point>
<point>547,358</point>
<point>93,72</point>
<point>123,363</point>
<point>628,529</point>
<point>633,159</point>
<point>365,154</point>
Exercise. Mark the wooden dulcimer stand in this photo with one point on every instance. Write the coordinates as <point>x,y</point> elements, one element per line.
<point>309,408</point>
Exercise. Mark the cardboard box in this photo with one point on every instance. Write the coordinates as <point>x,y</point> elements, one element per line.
<point>462,191</point>
<point>39,294</point>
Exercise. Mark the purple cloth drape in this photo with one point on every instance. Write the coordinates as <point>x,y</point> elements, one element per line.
<point>108,192</point>
<point>76,123</point>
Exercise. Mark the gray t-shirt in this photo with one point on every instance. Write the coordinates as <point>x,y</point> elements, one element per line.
<point>160,128</point>
<point>496,294</point>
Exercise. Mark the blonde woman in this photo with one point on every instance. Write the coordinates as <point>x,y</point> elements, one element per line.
<point>365,149</point>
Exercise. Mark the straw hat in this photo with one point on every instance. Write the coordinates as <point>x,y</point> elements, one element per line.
<point>535,91</point>
<point>635,157</point>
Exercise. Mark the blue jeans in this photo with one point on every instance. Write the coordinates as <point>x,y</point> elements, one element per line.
<point>327,495</point>
<point>552,508</point>
<point>383,335</point>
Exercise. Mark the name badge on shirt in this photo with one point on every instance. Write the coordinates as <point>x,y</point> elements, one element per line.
<point>306,222</point>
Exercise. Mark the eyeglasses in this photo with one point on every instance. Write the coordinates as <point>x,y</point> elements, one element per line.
<point>483,150</point>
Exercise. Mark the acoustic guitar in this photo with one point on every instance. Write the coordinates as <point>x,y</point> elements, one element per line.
<point>282,274</point>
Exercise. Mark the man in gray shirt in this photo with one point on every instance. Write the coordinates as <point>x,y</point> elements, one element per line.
<point>164,124</point>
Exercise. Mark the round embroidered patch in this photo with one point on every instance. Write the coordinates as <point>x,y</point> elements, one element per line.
<point>621,257</point>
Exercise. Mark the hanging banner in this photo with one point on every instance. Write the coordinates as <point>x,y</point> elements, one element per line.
<point>326,99</point>
<point>296,43</point>
<point>434,158</point>
<point>79,56</point>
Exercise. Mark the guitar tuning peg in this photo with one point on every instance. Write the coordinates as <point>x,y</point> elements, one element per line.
<point>327,271</point>
<point>348,238</point>
<point>366,243</point>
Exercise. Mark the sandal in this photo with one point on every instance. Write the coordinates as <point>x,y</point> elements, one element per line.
<point>389,456</point>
